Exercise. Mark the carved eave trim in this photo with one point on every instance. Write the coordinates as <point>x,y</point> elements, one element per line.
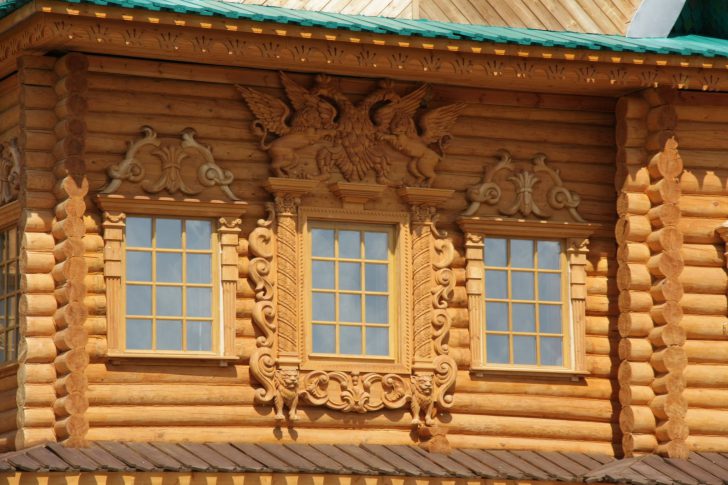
<point>195,38</point>
<point>425,196</point>
<point>171,207</point>
<point>10,213</point>
<point>527,228</point>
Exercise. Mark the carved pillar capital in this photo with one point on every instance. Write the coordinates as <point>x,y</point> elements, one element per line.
<point>288,193</point>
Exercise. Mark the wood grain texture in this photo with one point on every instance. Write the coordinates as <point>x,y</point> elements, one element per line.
<point>603,17</point>
<point>404,9</point>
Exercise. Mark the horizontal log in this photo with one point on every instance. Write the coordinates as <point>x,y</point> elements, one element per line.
<point>595,388</point>
<point>637,419</point>
<point>633,203</point>
<point>27,437</point>
<point>36,395</point>
<point>705,327</point>
<point>707,421</point>
<point>710,255</point>
<point>704,304</point>
<point>639,373</point>
<point>36,373</point>
<point>35,418</point>
<point>180,374</point>
<point>706,376</point>
<point>705,351</point>
<point>635,350</point>
<point>634,324</point>
<point>37,349</point>
<point>696,279</point>
<point>634,394</point>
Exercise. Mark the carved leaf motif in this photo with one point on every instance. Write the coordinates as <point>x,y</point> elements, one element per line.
<point>170,157</point>
<point>524,181</point>
<point>9,171</point>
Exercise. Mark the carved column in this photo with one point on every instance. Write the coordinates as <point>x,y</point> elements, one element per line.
<point>229,233</point>
<point>475,287</point>
<point>114,223</point>
<point>577,250</point>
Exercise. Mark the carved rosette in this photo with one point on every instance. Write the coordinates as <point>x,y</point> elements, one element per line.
<point>149,149</point>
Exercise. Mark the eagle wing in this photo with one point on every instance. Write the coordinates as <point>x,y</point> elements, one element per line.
<point>270,112</point>
<point>436,124</point>
<point>302,99</point>
<point>406,104</point>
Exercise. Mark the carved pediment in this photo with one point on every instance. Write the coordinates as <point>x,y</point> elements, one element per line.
<point>9,171</point>
<point>174,166</point>
<point>350,138</point>
<point>523,190</point>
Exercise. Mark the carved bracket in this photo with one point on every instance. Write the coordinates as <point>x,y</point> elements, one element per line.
<point>9,171</point>
<point>523,180</point>
<point>150,149</point>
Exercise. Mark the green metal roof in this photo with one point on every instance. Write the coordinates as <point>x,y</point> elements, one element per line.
<point>685,45</point>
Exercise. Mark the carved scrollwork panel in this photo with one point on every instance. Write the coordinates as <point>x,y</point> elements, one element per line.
<point>9,171</point>
<point>170,157</point>
<point>538,190</point>
<point>423,376</point>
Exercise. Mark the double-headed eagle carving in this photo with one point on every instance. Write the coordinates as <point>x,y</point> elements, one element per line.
<point>351,137</point>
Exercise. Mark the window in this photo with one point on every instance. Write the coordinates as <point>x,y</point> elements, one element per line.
<point>171,275</point>
<point>526,285</point>
<point>525,315</point>
<point>9,295</point>
<point>171,285</point>
<point>351,278</point>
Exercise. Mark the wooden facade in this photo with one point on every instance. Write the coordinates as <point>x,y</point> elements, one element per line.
<point>116,116</point>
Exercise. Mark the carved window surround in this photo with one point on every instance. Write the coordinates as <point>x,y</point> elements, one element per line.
<point>227,214</point>
<point>424,374</point>
<point>576,236</point>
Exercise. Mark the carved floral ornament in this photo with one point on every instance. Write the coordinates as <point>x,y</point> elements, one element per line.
<point>538,190</point>
<point>423,382</point>
<point>351,138</point>
<point>171,157</point>
<point>9,171</point>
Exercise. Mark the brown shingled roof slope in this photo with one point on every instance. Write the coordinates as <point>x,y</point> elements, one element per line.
<point>367,459</point>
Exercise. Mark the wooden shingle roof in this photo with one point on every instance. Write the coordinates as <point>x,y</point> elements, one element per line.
<point>367,459</point>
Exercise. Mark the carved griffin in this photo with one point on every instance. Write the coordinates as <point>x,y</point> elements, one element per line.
<point>350,137</point>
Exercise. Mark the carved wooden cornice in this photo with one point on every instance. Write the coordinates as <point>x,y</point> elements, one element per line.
<point>99,29</point>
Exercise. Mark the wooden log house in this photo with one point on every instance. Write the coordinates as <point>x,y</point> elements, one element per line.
<point>363,242</point>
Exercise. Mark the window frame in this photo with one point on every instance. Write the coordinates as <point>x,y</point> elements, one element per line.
<point>225,220</point>
<point>400,278</point>
<point>575,237</point>
<point>10,219</point>
<point>216,286</point>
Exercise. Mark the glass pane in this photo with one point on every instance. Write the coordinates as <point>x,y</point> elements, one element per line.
<point>138,300</point>
<point>138,334</point>
<point>549,254</point>
<point>377,341</point>
<point>496,316</point>
<point>350,276</point>
<point>323,307</point>
<point>199,268</point>
<point>324,339</point>
<point>349,244</point>
<point>169,267</point>
<point>349,308</point>
<point>169,233</point>
<point>521,253</point>
<point>198,234</point>
<point>350,340</point>
<point>199,302</point>
<point>496,349</point>
<point>524,317</point>
<point>522,285</point>
<point>377,310</point>
<point>139,266</point>
<point>551,353</point>
<point>322,274</point>
<point>139,232</point>
<point>199,336</point>
<point>495,252</point>
<point>169,335</point>
<point>376,245</point>
<point>169,301</point>
<point>549,318</point>
<point>322,243</point>
<point>549,286</point>
<point>524,350</point>
<point>496,284</point>
<point>376,277</point>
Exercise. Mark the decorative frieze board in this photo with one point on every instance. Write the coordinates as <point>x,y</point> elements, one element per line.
<point>272,46</point>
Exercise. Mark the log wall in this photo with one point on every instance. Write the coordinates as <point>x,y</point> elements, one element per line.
<point>9,129</point>
<point>125,399</point>
<point>701,126</point>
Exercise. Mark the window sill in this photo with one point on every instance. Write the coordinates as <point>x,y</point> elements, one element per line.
<point>163,359</point>
<point>552,374</point>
